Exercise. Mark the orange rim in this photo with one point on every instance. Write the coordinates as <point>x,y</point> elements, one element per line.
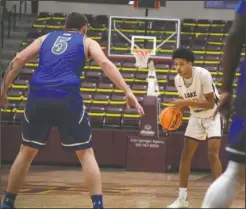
<point>142,51</point>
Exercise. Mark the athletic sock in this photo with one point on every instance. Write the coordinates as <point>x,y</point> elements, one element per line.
<point>183,193</point>
<point>9,200</point>
<point>97,201</point>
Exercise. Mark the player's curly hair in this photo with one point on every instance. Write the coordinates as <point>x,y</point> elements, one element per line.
<point>183,53</point>
<point>76,21</point>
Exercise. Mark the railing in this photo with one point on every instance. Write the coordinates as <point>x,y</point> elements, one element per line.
<point>2,8</point>
<point>12,15</point>
<point>2,33</point>
<point>25,7</point>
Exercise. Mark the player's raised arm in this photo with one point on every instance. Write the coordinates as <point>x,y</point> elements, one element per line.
<point>18,62</point>
<point>95,52</point>
<point>233,47</point>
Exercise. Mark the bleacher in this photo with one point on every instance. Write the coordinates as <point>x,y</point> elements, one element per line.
<point>105,103</point>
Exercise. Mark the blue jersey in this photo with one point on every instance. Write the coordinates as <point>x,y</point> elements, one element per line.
<point>241,9</point>
<point>61,61</point>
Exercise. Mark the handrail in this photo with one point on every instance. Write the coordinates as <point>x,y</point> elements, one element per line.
<point>2,8</point>
<point>2,32</point>
<point>25,7</point>
<point>11,13</point>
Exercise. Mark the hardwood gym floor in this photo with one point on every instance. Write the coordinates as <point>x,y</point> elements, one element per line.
<point>63,187</point>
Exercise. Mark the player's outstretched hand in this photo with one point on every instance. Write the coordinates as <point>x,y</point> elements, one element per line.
<point>132,102</point>
<point>225,107</point>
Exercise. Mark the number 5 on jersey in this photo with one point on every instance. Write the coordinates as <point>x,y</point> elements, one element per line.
<point>60,45</point>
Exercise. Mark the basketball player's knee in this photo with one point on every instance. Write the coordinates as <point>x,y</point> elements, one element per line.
<point>213,155</point>
<point>81,154</point>
<point>213,151</point>
<point>187,154</point>
<point>28,153</point>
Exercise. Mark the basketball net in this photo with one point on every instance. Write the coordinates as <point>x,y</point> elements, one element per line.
<point>153,86</point>
<point>142,56</point>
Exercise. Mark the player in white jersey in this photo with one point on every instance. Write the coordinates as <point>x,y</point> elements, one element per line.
<point>196,87</point>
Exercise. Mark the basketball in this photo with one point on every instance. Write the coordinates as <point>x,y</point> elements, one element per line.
<point>171,118</point>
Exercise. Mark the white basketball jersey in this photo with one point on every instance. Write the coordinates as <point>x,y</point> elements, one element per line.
<point>202,83</point>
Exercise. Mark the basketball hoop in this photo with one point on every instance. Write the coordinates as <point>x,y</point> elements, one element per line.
<point>142,56</point>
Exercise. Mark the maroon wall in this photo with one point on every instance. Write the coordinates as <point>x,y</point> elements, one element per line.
<point>112,148</point>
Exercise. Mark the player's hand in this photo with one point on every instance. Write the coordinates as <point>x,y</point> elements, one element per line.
<point>167,132</point>
<point>179,103</point>
<point>225,107</point>
<point>132,102</point>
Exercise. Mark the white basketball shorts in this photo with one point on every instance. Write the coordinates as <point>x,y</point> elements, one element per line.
<point>204,128</point>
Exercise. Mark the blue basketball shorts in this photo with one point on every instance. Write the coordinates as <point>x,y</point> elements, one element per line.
<point>68,115</point>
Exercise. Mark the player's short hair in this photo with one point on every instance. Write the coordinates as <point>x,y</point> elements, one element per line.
<point>76,21</point>
<point>183,53</point>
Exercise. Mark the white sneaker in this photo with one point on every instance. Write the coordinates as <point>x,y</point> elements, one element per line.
<point>179,203</point>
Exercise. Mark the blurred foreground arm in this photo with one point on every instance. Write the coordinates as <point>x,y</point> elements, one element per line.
<point>231,58</point>
<point>233,48</point>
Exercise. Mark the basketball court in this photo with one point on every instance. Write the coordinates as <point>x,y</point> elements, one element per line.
<point>63,187</point>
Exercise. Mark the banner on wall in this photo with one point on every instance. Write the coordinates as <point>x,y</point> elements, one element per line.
<point>220,4</point>
<point>120,2</point>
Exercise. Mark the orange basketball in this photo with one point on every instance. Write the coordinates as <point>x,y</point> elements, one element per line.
<point>171,118</point>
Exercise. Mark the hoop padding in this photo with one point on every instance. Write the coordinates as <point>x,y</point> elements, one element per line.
<point>142,56</point>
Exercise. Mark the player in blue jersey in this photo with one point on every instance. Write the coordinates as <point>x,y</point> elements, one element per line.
<point>55,100</point>
<point>224,190</point>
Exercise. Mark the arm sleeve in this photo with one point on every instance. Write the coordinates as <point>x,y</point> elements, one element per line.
<point>240,9</point>
<point>207,82</point>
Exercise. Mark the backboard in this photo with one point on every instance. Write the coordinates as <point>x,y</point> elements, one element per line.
<point>160,35</point>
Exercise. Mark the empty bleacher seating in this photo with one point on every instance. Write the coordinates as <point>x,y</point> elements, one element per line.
<point>105,103</point>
